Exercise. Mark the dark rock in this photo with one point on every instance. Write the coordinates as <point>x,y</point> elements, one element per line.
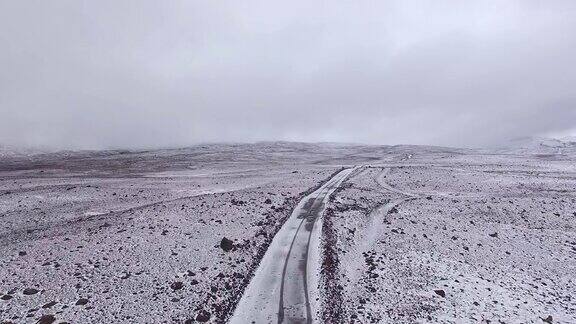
<point>48,305</point>
<point>6,297</point>
<point>548,319</point>
<point>440,292</point>
<point>82,301</point>
<point>30,291</point>
<point>46,319</point>
<point>177,285</point>
<point>237,202</point>
<point>226,244</point>
<point>268,201</point>
<point>203,316</point>
<point>495,234</point>
<point>22,253</point>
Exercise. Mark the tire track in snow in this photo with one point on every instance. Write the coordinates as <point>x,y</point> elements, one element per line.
<point>280,291</point>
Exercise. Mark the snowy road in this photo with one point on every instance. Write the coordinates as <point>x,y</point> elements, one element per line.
<point>282,289</point>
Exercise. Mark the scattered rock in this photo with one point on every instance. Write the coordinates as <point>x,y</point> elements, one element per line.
<point>46,319</point>
<point>30,291</point>
<point>226,244</point>
<point>82,301</point>
<point>203,316</point>
<point>176,285</point>
<point>48,305</point>
<point>237,202</point>
<point>440,292</point>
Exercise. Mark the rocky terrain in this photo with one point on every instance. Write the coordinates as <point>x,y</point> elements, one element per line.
<point>103,239</point>
<point>454,240</point>
<point>416,234</point>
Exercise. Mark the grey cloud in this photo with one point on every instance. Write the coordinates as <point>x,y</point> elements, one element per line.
<point>101,74</point>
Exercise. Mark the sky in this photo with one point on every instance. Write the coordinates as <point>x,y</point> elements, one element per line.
<point>142,74</point>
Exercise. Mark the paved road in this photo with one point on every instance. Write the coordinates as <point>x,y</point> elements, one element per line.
<point>281,290</point>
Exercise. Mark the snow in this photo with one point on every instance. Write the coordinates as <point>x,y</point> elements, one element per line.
<point>494,233</point>
<point>138,233</point>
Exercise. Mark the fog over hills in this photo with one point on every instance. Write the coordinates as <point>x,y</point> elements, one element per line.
<point>100,75</point>
<point>286,162</point>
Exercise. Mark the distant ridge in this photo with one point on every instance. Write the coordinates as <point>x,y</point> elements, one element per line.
<point>539,145</point>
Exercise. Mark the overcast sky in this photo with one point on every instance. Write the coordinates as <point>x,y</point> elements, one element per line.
<point>109,74</point>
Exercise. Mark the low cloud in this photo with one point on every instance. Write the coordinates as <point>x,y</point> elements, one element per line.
<point>109,74</point>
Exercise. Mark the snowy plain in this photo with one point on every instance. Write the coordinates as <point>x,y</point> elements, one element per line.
<point>414,234</point>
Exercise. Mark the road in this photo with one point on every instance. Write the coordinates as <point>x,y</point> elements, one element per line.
<point>283,289</point>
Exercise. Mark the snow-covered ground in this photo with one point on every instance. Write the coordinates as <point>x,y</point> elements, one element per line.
<point>471,238</point>
<point>110,242</point>
<point>416,233</point>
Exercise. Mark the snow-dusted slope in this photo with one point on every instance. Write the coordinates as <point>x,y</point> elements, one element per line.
<point>539,145</point>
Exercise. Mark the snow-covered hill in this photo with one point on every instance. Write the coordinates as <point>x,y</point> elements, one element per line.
<point>18,152</point>
<point>540,145</point>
